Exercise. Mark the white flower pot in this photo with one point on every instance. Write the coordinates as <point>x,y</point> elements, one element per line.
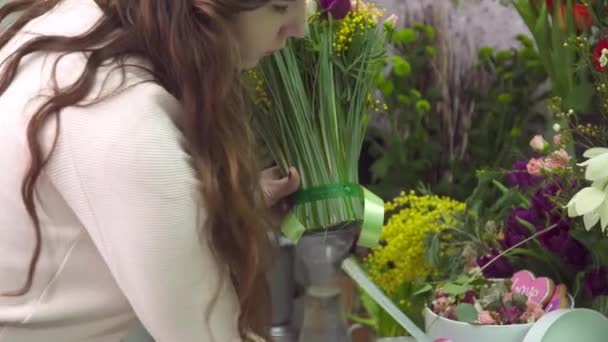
<point>438,327</point>
<point>396,339</point>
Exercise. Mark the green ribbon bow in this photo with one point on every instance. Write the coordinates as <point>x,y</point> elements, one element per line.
<point>373,211</point>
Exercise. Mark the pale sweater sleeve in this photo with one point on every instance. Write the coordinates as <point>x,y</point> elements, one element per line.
<point>121,167</point>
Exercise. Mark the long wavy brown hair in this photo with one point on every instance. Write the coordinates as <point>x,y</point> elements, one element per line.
<point>194,56</point>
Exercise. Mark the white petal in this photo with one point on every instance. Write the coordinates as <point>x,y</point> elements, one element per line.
<point>599,183</point>
<point>590,220</point>
<point>572,210</point>
<point>572,205</point>
<point>603,212</point>
<point>597,167</point>
<point>587,200</point>
<point>594,152</point>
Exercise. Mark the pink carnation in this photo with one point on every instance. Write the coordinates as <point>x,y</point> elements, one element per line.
<point>484,317</point>
<point>557,140</point>
<point>559,159</point>
<point>533,313</point>
<point>440,304</point>
<point>535,166</point>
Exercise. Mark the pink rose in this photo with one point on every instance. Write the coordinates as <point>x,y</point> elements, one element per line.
<point>531,306</point>
<point>440,304</point>
<point>484,317</point>
<point>534,312</point>
<point>535,166</point>
<point>507,297</point>
<point>538,313</point>
<point>526,317</point>
<point>538,143</point>
<point>557,160</point>
<point>557,140</point>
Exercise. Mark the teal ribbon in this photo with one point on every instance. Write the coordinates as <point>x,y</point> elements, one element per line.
<point>373,211</point>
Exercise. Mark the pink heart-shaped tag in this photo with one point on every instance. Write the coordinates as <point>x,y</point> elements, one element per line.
<point>538,290</point>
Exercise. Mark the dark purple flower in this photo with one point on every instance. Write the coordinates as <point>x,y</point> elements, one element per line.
<point>519,176</point>
<point>338,8</point>
<point>546,200</point>
<point>516,231</point>
<point>596,282</point>
<point>561,243</point>
<point>543,203</point>
<point>469,297</point>
<point>499,268</point>
<point>510,314</point>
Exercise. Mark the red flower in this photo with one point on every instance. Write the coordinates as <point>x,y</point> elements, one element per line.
<point>582,16</point>
<point>597,54</point>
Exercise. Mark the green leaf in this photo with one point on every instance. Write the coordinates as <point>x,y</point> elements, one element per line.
<point>455,289</point>
<point>462,279</point>
<point>526,224</point>
<point>485,53</point>
<point>380,167</point>
<point>387,87</point>
<point>404,36</point>
<point>466,312</point>
<point>401,67</point>
<point>425,289</point>
<point>432,249</point>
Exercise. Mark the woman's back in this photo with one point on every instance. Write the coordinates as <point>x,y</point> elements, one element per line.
<point>118,178</point>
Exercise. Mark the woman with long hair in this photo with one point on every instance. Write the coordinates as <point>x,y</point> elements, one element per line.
<point>130,187</point>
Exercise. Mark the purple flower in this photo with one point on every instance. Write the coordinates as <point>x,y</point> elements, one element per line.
<point>519,176</point>
<point>544,200</point>
<point>469,297</point>
<point>543,203</point>
<point>510,314</point>
<point>560,242</point>
<point>515,231</point>
<point>596,282</point>
<point>338,8</point>
<point>499,268</point>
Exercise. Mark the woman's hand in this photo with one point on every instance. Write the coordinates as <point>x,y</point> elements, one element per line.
<point>277,192</point>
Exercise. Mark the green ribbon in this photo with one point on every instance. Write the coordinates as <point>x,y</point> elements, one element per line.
<point>373,211</point>
<point>328,191</point>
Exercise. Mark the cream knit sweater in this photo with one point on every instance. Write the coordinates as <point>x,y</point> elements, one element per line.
<point>119,212</point>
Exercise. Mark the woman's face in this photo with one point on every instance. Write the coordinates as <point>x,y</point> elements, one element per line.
<point>265,30</point>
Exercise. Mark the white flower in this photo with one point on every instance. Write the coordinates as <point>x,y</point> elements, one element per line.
<point>597,163</point>
<point>311,8</point>
<point>557,127</point>
<point>592,202</point>
<point>604,58</point>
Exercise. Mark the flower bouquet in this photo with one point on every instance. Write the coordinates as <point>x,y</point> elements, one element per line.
<point>313,101</point>
<point>474,309</point>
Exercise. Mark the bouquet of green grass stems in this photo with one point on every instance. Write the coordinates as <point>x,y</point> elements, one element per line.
<point>313,101</point>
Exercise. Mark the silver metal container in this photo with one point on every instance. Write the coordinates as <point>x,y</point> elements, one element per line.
<point>282,333</point>
<point>282,283</point>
